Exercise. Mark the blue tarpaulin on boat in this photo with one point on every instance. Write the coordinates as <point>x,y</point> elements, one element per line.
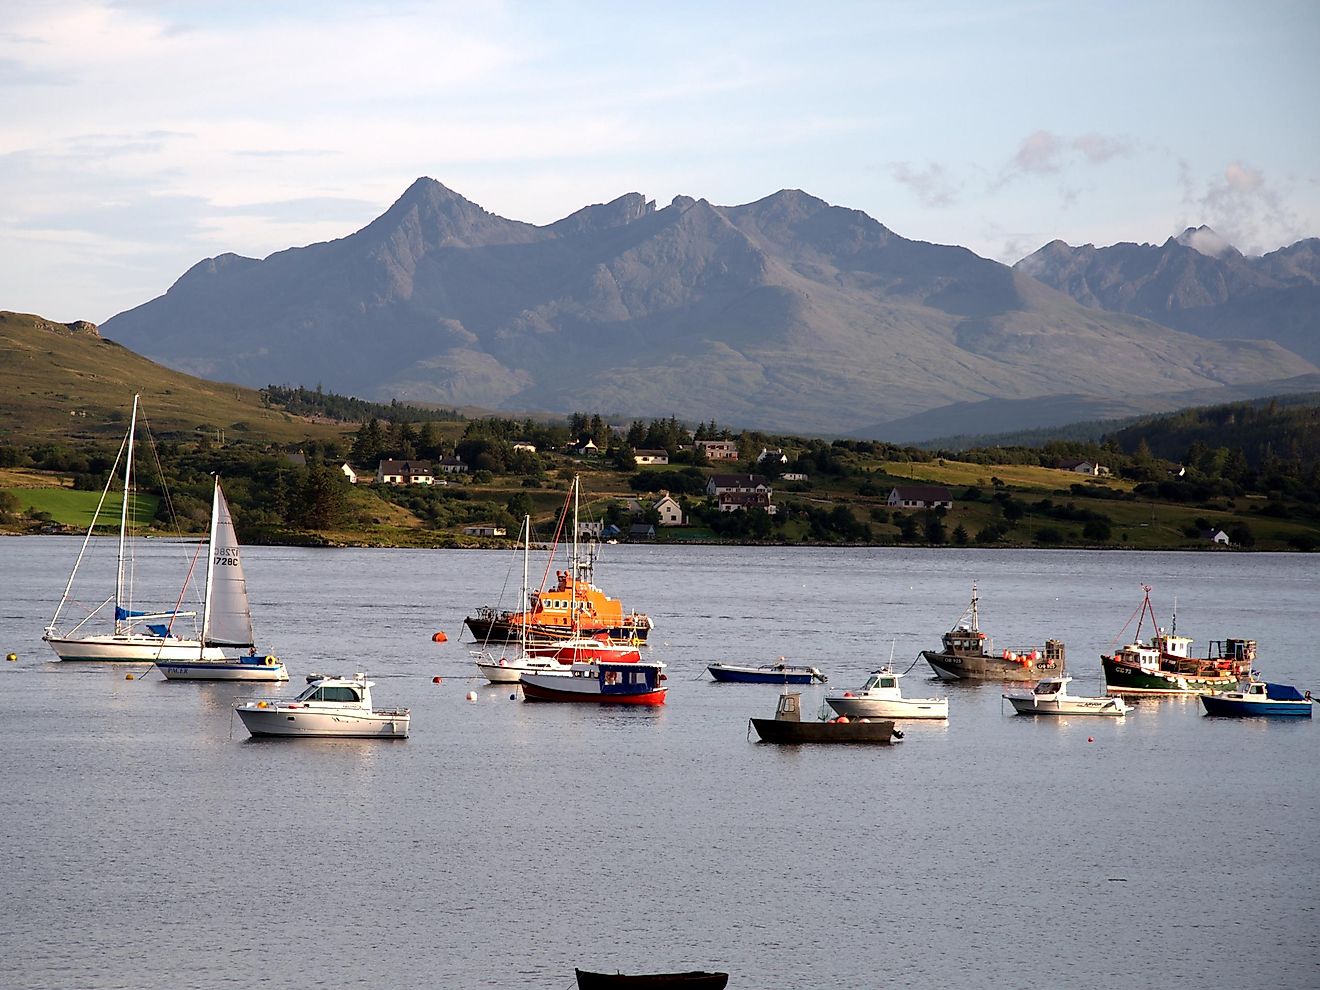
<point>123,613</point>
<point>158,630</point>
<point>1283,692</point>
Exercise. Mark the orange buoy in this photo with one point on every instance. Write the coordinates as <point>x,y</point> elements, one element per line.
<point>439,638</point>
<point>128,677</point>
<point>435,680</point>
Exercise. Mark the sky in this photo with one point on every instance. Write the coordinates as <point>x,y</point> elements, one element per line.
<point>138,138</point>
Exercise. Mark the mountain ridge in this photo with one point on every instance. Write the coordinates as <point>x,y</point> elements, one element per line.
<point>786,312</point>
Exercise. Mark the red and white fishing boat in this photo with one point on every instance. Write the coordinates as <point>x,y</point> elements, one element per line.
<point>634,683</point>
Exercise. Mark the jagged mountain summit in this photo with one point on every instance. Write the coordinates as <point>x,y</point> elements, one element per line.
<point>1196,282</point>
<point>786,313</point>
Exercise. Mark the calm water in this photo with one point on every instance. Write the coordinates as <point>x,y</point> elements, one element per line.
<point>149,843</point>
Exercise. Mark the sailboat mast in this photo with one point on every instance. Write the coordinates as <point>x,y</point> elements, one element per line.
<point>210,569</point>
<point>527,549</point>
<point>975,624</point>
<point>123,516</point>
<point>576,565</point>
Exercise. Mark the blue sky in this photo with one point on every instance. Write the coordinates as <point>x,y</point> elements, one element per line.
<point>137,138</point>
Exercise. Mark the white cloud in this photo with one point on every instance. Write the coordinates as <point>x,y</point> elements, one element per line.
<point>932,185</point>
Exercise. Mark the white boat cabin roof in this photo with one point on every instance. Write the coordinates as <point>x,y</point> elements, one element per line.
<point>345,690</point>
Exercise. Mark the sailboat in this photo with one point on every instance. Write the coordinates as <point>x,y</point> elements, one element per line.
<point>226,615</point>
<point>507,670</point>
<point>136,635</point>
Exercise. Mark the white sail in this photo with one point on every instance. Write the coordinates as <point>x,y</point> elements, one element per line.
<point>227,620</point>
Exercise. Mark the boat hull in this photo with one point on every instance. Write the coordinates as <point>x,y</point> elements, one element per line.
<point>1254,708</point>
<point>889,708</point>
<point>1123,678</point>
<point>488,630</point>
<point>542,687</point>
<point>651,981</point>
<point>131,649</point>
<point>511,671</point>
<point>971,667</point>
<point>783,731</point>
<point>302,722</point>
<point>763,675</point>
<point>255,669</point>
<point>1074,706</point>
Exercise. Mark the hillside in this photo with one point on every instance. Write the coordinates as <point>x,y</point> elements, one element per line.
<point>66,381</point>
<point>786,313</point>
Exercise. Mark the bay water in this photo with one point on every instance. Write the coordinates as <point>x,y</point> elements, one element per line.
<point>149,842</point>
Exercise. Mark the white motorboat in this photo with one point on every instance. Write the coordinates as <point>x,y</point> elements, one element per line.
<point>1050,697</point>
<point>226,615</point>
<point>880,697</point>
<point>134,635</point>
<point>329,706</point>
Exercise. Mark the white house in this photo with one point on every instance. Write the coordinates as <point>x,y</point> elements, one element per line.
<point>671,513</point>
<point>793,476</point>
<point>650,457</point>
<point>1216,536</point>
<point>587,448</point>
<point>351,473</point>
<point>1085,467</point>
<point>590,529</point>
<point>451,465</point>
<point>523,447</point>
<point>920,497</point>
<point>718,450</point>
<point>719,484</point>
<point>404,473</point>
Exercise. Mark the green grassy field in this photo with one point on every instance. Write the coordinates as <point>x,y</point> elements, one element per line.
<point>76,508</point>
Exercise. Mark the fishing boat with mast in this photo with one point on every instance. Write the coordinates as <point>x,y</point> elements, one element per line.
<point>226,614</point>
<point>575,608</point>
<point>968,654</point>
<point>134,635</point>
<point>1165,666</point>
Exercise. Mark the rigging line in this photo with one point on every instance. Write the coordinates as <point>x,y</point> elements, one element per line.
<point>559,529</point>
<point>913,664</point>
<point>87,539</point>
<point>1140,607</point>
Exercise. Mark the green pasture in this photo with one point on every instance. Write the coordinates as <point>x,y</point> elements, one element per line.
<point>70,507</point>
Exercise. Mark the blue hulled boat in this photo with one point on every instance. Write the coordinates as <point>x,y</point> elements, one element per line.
<point>770,673</point>
<point>1259,698</point>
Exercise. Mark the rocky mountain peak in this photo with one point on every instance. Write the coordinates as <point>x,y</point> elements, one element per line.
<point>1205,241</point>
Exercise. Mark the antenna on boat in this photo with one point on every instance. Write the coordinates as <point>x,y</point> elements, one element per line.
<point>975,626</point>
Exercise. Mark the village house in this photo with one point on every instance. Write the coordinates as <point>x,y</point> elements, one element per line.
<point>1085,467</point>
<point>523,447</point>
<point>485,529</point>
<point>718,450</point>
<point>1216,536</point>
<point>773,455</point>
<point>641,531</point>
<point>404,473</point>
<point>350,473</point>
<point>650,457</point>
<point>792,476</point>
<point>920,497</point>
<point>722,483</point>
<point>590,529</point>
<point>741,501</point>
<point>586,448</point>
<point>671,513</point>
<point>451,465</point>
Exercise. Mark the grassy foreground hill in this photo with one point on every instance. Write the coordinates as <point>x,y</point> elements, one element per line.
<point>65,381</point>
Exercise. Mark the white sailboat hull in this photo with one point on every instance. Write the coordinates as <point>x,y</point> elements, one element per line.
<point>222,670</point>
<point>511,671</point>
<point>130,649</point>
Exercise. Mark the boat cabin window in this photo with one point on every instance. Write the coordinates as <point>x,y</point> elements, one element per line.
<point>328,693</point>
<point>1047,687</point>
<point>888,682</point>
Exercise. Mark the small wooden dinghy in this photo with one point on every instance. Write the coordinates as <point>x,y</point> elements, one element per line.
<point>787,727</point>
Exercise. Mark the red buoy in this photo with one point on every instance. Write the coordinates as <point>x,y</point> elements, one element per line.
<point>435,680</point>
<point>439,638</point>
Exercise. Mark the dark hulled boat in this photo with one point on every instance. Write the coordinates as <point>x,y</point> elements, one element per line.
<point>1165,666</point>
<point>651,981</point>
<point>968,656</point>
<point>787,727</point>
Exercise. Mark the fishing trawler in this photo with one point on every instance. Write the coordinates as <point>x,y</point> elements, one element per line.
<point>573,609</point>
<point>968,654</point>
<point>1165,666</point>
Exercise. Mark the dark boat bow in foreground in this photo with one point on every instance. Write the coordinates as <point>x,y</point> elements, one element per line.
<point>651,981</point>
